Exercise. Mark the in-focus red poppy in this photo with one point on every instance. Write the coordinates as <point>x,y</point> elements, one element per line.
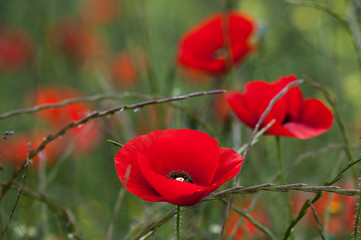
<point>14,150</point>
<point>217,44</point>
<point>15,49</point>
<point>123,70</point>
<point>86,136</point>
<point>295,117</point>
<point>176,166</point>
<point>77,39</point>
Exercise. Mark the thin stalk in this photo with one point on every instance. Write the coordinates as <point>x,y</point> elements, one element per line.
<point>282,176</point>
<point>338,119</point>
<point>344,23</point>
<point>153,83</point>
<point>308,203</point>
<point>258,225</point>
<point>115,213</point>
<point>319,226</point>
<point>69,101</point>
<point>61,213</point>
<point>20,190</point>
<point>94,115</point>
<point>117,204</point>
<point>178,223</point>
<point>327,212</point>
<point>357,219</point>
<point>41,189</point>
<point>253,135</point>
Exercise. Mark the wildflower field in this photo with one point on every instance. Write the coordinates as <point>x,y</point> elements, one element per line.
<point>203,119</point>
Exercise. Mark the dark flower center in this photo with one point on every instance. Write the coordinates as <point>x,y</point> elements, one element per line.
<point>181,176</point>
<point>287,119</point>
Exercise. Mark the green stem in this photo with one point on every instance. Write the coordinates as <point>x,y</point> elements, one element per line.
<point>282,176</point>
<point>338,119</point>
<point>357,219</point>
<point>258,225</point>
<point>279,160</point>
<point>178,223</point>
<point>308,203</point>
<point>153,83</point>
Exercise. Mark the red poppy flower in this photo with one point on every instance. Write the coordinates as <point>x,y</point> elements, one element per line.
<point>295,117</point>
<point>88,135</point>
<point>15,49</point>
<point>15,150</point>
<point>246,228</point>
<point>341,210</point>
<point>101,11</point>
<point>76,39</point>
<point>205,47</point>
<point>222,111</point>
<point>123,70</point>
<point>175,166</point>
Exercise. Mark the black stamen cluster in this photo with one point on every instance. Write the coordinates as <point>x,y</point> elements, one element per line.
<point>183,174</point>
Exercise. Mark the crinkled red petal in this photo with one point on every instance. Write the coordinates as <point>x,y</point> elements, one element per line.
<point>173,191</point>
<point>314,119</point>
<point>202,47</point>
<point>186,150</point>
<point>229,165</point>
<point>127,158</point>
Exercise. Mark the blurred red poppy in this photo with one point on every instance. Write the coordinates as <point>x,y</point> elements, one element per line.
<point>77,39</point>
<point>101,11</point>
<point>217,44</point>
<point>196,76</point>
<point>87,136</point>
<point>246,228</point>
<point>175,166</point>
<point>340,209</point>
<point>15,150</point>
<point>295,117</point>
<point>15,49</point>
<point>123,70</point>
<point>222,111</point>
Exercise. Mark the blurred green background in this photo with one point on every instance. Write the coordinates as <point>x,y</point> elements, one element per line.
<point>291,39</point>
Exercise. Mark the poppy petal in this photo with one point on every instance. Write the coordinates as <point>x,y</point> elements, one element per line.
<point>293,96</point>
<point>229,166</point>
<point>173,191</point>
<point>294,116</point>
<point>315,119</point>
<point>202,47</point>
<point>126,159</point>
<point>258,96</point>
<point>151,157</point>
<point>186,152</point>
<point>239,105</point>
<point>276,128</point>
